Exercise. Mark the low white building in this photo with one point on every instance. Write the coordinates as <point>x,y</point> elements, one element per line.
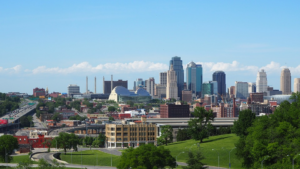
<point>36,133</point>
<point>134,113</point>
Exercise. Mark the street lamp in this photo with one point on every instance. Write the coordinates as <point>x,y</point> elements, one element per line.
<point>218,158</point>
<point>262,162</point>
<point>178,155</point>
<point>294,159</point>
<point>229,156</point>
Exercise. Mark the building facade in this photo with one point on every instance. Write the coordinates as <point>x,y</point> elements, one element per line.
<point>252,87</point>
<point>176,62</point>
<point>220,77</point>
<point>296,85</point>
<point>108,86</point>
<point>130,135</point>
<point>172,88</point>
<point>194,78</point>
<point>187,95</point>
<point>285,81</point>
<point>163,78</point>
<point>160,91</point>
<point>73,90</point>
<point>138,83</point>
<point>231,91</point>
<point>261,82</point>
<point>38,92</point>
<point>256,97</point>
<point>207,89</point>
<point>241,90</point>
<point>174,111</point>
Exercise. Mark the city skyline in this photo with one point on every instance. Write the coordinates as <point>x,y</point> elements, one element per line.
<point>40,47</point>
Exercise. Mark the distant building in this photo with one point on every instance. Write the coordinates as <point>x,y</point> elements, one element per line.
<point>194,78</point>
<point>252,87</point>
<point>241,90</point>
<point>108,86</point>
<point>172,88</point>
<point>121,95</point>
<point>138,83</point>
<point>38,92</point>
<point>231,91</point>
<point>176,63</point>
<point>257,97</point>
<point>73,90</point>
<point>160,91</point>
<point>207,89</point>
<point>187,95</point>
<point>55,94</point>
<point>173,111</point>
<point>296,85</point>
<point>163,78</point>
<point>285,81</point>
<point>220,77</point>
<point>150,86</point>
<point>261,82</point>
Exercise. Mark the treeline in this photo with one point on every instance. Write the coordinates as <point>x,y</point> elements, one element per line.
<point>8,104</point>
<point>59,101</point>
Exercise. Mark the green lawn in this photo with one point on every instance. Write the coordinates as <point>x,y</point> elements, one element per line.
<point>89,157</point>
<point>222,144</point>
<point>17,159</point>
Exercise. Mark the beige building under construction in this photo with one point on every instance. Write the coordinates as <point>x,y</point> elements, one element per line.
<point>285,81</point>
<point>130,135</point>
<point>172,88</point>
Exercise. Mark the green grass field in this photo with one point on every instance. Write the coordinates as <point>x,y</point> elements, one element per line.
<point>89,157</point>
<point>221,144</point>
<point>17,159</point>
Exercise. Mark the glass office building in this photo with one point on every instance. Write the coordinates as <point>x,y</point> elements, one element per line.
<point>178,68</point>
<point>220,77</point>
<point>194,77</point>
<point>207,88</point>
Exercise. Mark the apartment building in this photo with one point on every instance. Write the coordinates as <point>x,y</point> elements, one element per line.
<point>130,135</point>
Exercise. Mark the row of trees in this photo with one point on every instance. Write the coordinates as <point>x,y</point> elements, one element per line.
<point>94,142</point>
<point>274,138</point>
<point>8,104</point>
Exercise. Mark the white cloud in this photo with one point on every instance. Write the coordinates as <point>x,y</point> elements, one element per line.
<point>136,66</point>
<point>15,69</point>
<point>227,67</point>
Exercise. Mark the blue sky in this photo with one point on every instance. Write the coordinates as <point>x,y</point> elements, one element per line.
<point>57,43</point>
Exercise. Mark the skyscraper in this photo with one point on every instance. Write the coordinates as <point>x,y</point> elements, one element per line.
<point>178,68</point>
<point>296,85</point>
<point>285,81</point>
<point>194,78</point>
<point>163,78</point>
<point>261,82</point>
<point>241,90</point>
<point>172,89</point>
<point>220,77</point>
<point>252,87</point>
<point>150,86</point>
<point>138,83</point>
<point>207,88</point>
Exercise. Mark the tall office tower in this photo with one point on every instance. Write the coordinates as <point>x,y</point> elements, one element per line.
<point>215,87</point>
<point>296,85</point>
<point>95,85</point>
<point>252,87</point>
<point>194,78</point>
<point>241,90</point>
<point>261,82</point>
<point>285,81</point>
<point>87,90</point>
<point>138,83</point>
<point>178,68</point>
<point>207,89</point>
<point>150,86</point>
<point>231,91</point>
<point>109,85</point>
<point>172,88</point>
<point>220,77</point>
<point>73,90</point>
<point>163,78</point>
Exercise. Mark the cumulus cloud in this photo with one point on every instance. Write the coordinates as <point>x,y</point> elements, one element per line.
<point>15,69</point>
<point>227,67</point>
<point>136,66</point>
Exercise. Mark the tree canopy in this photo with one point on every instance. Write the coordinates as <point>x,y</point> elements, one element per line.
<point>7,144</point>
<point>147,157</point>
<point>275,137</point>
<point>66,141</point>
<point>166,135</point>
<point>246,119</point>
<point>194,161</point>
<point>200,125</point>
<point>111,109</point>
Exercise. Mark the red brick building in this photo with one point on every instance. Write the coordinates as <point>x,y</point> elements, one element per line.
<point>257,97</point>
<point>172,110</point>
<point>55,94</point>
<point>39,92</point>
<point>186,95</point>
<point>26,143</point>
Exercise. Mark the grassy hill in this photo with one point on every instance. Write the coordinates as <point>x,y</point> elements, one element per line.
<point>221,144</point>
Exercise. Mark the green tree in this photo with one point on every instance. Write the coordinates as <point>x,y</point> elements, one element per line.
<point>8,144</point>
<point>183,135</point>
<point>200,125</point>
<point>111,109</point>
<point>131,103</point>
<point>66,141</point>
<point>194,161</point>
<point>246,119</point>
<point>111,118</point>
<point>56,117</point>
<point>26,164</point>
<point>147,157</point>
<point>166,135</point>
<point>24,121</point>
<point>99,141</point>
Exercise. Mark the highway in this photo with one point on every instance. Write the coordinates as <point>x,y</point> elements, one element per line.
<point>18,113</point>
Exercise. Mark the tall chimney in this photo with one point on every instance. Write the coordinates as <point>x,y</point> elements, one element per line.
<point>111,83</point>
<point>87,85</point>
<point>95,85</point>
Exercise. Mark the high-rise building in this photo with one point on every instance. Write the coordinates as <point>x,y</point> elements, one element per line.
<point>108,86</point>
<point>160,91</point>
<point>215,87</point>
<point>252,87</point>
<point>150,86</point>
<point>138,83</point>
<point>186,95</point>
<point>231,91</point>
<point>163,78</point>
<point>207,89</point>
<point>194,78</point>
<point>296,85</point>
<point>172,89</point>
<point>241,90</point>
<point>220,77</point>
<point>285,81</point>
<point>73,90</point>
<point>261,82</point>
<point>176,62</point>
